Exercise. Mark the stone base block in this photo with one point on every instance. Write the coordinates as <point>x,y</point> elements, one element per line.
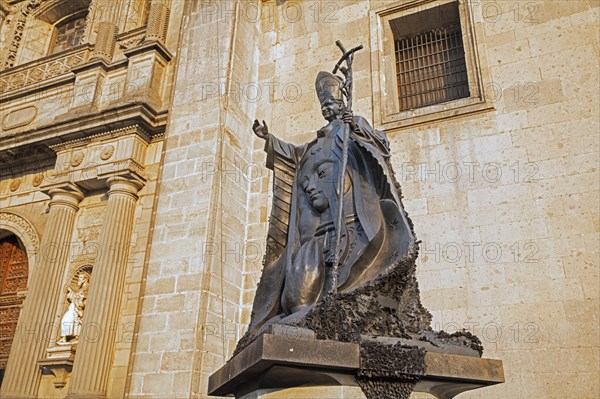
<point>275,361</point>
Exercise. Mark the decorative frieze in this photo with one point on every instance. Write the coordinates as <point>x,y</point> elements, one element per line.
<point>46,69</point>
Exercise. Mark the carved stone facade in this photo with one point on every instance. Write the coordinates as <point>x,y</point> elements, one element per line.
<point>82,135</point>
<point>132,153</point>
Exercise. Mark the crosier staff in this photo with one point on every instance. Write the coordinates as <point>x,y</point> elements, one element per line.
<point>348,57</point>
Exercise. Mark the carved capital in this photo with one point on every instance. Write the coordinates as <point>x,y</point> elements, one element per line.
<point>65,195</point>
<point>127,185</point>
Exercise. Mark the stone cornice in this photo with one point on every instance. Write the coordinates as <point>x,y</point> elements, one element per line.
<point>22,160</point>
<point>88,124</point>
<point>100,63</point>
<point>132,129</point>
<point>150,46</point>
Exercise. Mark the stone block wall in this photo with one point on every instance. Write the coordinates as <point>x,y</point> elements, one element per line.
<point>189,321</point>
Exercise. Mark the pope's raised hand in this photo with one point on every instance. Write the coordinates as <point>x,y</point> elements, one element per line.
<point>260,131</point>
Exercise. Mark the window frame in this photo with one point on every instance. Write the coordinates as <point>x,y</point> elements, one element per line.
<point>386,108</point>
<point>63,21</point>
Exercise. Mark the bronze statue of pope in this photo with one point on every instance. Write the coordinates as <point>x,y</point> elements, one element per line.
<point>374,232</point>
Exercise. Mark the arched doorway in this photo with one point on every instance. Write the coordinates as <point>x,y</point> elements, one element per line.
<point>13,283</point>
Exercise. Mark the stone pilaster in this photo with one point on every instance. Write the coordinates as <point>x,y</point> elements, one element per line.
<point>94,358</point>
<point>105,41</point>
<point>23,374</point>
<point>158,20</point>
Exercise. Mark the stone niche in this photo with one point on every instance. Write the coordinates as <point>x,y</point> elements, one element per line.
<point>60,355</point>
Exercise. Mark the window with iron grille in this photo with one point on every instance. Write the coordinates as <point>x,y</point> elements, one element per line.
<point>430,60</point>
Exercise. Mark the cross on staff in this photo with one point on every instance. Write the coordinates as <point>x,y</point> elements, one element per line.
<point>348,57</point>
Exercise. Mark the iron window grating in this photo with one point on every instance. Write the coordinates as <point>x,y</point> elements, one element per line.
<point>431,68</point>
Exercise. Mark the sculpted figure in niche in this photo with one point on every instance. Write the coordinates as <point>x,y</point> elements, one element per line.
<point>301,244</point>
<point>71,320</point>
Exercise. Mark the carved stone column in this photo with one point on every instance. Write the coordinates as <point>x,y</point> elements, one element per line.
<point>23,374</point>
<point>94,358</point>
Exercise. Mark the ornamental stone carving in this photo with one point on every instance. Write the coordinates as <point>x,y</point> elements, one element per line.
<point>23,229</point>
<point>107,152</point>
<point>77,158</point>
<point>43,71</point>
<point>23,13</point>
<point>38,178</point>
<point>14,184</point>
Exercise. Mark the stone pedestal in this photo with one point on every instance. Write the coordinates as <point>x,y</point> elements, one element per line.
<point>59,363</point>
<point>275,361</point>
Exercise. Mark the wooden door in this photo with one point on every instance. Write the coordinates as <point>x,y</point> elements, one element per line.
<point>13,278</point>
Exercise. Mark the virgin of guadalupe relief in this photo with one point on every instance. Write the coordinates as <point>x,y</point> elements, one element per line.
<point>341,249</point>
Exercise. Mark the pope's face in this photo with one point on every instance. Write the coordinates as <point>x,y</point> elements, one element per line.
<point>330,109</point>
<point>316,179</point>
